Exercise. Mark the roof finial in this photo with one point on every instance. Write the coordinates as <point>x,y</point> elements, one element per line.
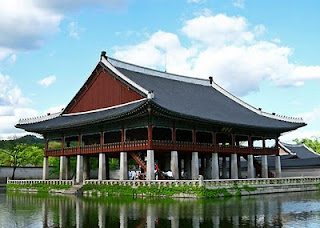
<point>103,54</point>
<point>210,79</point>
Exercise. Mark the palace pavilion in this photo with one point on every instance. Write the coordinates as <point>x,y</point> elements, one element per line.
<point>162,121</point>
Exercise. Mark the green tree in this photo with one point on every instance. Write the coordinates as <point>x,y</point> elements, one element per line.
<point>15,156</point>
<point>20,154</point>
<point>313,143</point>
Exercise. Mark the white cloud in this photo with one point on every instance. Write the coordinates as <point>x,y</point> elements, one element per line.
<point>227,48</point>
<point>239,4</point>
<point>47,80</point>
<point>218,30</point>
<point>28,24</point>
<point>196,1</point>
<point>74,30</point>
<point>12,107</point>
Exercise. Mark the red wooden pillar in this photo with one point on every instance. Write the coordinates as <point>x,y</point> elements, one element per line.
<point>122,138</point>
<point>277,145</point>
<point>264,145</point>
<point>174,136</point>
<point>101,141</point>
<point>194,136</point>
<point>79,143</point>
<point>250,144</point>
<point>45,146</point>
<point>62,144</point>
<point>214,138</point>
<point>150,136</point>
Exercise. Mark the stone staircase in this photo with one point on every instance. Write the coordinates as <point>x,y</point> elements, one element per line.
<point>74,190</point>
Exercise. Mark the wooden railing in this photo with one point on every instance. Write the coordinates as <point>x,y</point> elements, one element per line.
<point>159,145</point>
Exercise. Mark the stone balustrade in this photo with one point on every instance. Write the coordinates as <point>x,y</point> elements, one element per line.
<point>209,183</point>
<point>48,182</point>
<point>171,183</point>
<point>136,183</point>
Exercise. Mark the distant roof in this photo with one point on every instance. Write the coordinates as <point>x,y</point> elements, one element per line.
<point>300,150</point>
<point>185,96</point>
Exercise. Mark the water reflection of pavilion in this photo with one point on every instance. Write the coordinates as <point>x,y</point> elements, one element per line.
<point>63,211</point>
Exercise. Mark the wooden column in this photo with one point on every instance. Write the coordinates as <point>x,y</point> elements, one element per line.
<point>194,136</point>
<point>101,140</point>
<point>62,144</point>
<point>45,145</point>
<point>150,136</point>
<point>79,142</point>
<point>264,145</point>
<point>122,138</point>
<point>174,136</point>
<point>250,144</point>
<point>214,138</point>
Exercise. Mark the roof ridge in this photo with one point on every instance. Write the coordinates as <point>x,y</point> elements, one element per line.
<point>157,73</point>
<point>38,119</point>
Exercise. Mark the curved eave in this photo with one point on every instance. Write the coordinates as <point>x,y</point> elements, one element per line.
<point>53,124</point>
<point>234,125</point>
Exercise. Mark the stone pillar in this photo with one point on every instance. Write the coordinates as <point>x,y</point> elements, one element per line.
<point>278,166</point>
<point>174,165</point>
<point>63,167</point>
<point>86,168</point>
<point>224,168</point>
<point>187,166</point>
<point>239,167</point>
<point>208,167</point>
<point>250,166</point>
<point>45,171</point>
<point>195,166</point>
<point>264,166</point>
<point>150,165</point>
<point>215,173</point>
<point>234,166</point>
<point>68,171</point>
<point>123,166</point>
<point>102,167</point>
<point>79,173</point>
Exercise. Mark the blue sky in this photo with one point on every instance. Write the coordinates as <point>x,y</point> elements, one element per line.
<point>266,52</point>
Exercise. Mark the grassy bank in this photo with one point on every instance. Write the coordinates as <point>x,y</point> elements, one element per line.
<point>155,191</point>
<point>36,187</point>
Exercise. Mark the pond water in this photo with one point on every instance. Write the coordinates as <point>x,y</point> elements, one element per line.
<point>278,210</point>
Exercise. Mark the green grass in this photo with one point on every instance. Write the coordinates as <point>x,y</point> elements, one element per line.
<point>120,190</point>
<point>38,187</point>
